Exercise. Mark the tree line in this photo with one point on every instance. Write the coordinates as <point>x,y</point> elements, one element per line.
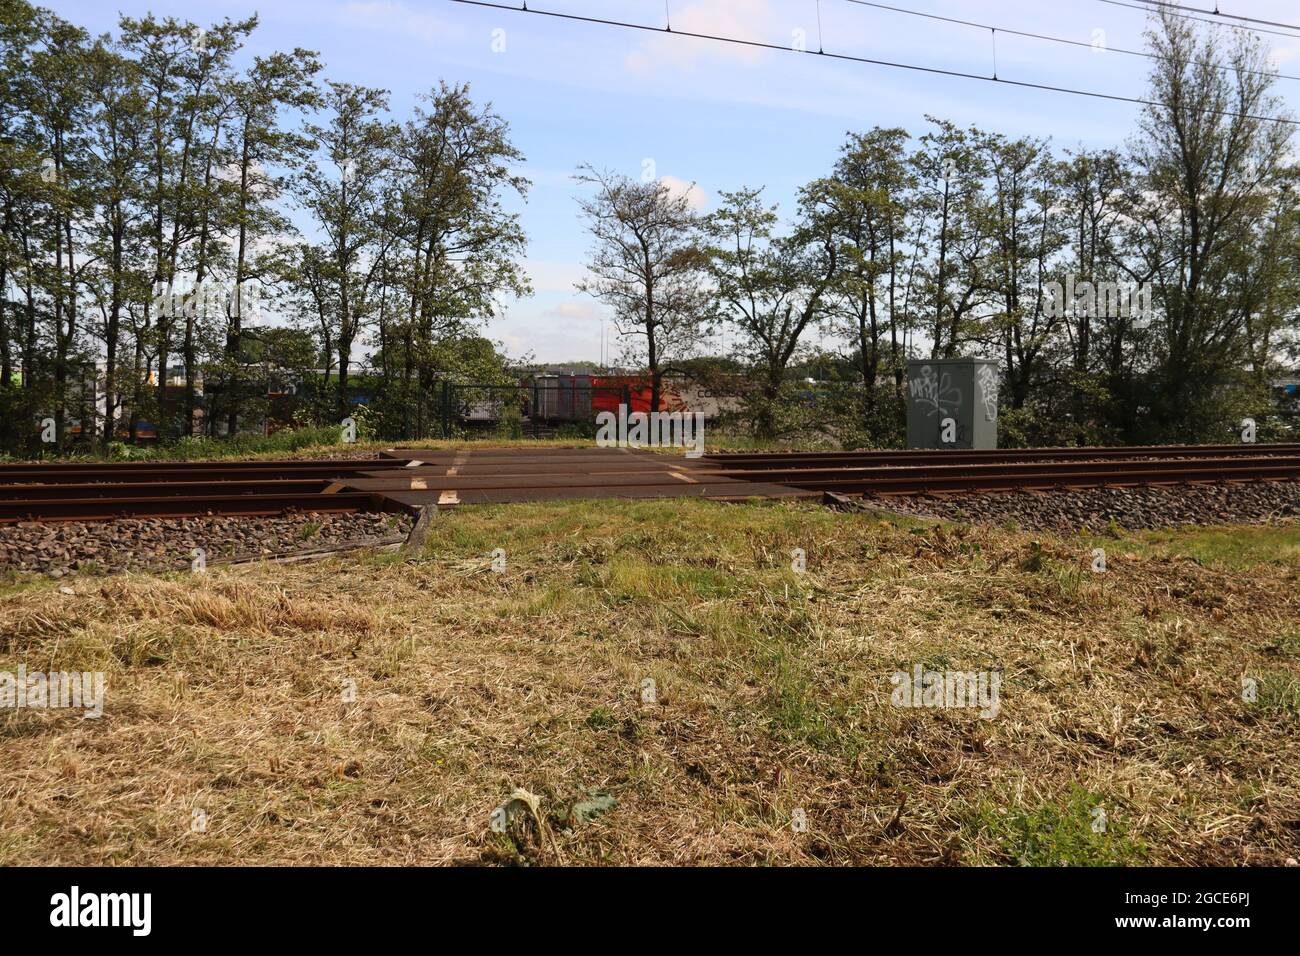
<point>1145,292</point>
<point>153,181</point>
<point>148,186</point>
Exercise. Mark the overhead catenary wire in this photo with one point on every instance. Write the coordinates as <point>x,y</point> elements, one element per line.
<point>913,67</point>
<point>1217,13</point>
<point>1217,23</point>
<point>1042,36</point>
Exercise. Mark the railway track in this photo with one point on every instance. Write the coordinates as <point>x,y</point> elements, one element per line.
<point>912,479</point>
<point>95,492</point>
<point>975,456</point>
<point>408,480</point>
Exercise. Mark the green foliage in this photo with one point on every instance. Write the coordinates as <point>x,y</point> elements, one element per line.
<point>285,441</point>
<point>510,425</point>
<point>1065,833</point>
<point>601,718</point>
<point>1278,694</point>
<point>169,163</point>
<point>645,265</point>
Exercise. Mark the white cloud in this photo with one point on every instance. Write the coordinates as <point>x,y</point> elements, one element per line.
<point>739,19</point>
<point>554,275</point>
<point>584,312</point>
<point>568,331</point>
<point>393,17</point>
<point>1280,55</point>
<point>696,197</point>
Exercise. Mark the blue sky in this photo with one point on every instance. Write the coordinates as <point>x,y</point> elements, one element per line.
<point>715,115</point>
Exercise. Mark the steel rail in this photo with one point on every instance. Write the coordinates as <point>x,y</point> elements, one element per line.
<point>967,455</point>
<point>82,492</point>
<point>923,481</point>
<point>241,464</point>
<point>110,481</point>
<point>78,474</point>
<point>1228,467</point>
<point>12,494</point>
<point>507,479</point>
<point>260,505</point>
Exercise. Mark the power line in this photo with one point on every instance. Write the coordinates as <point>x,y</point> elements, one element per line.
<point>1042,36</point>
<point>1217,23</point>
<point>1215,12</point>
<point>937,71</point>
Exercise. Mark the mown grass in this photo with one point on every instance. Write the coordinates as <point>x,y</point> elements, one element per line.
<point>377,710</point>
<point>1223,547</point>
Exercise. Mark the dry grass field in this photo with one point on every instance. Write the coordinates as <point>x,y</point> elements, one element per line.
<point>377,710</point>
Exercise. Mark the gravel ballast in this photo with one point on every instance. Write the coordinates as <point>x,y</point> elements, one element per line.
<point>156,544</point>
<point>1096,509</point>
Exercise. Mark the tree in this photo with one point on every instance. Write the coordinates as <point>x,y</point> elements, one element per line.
<point>457,251</point>
<point>769,286</point>
<point>1093,185</point>
<point>350,195</point>
<point>182,69</point>
<point>950,171</point>
<point>118,154</point>
<point>19,32</point>
<point>261,146</point>
<point>646,265</point>
<point>866,199</point>
<point>58,108</point>
<point>1208,171</point>
<point>204,197</point>
<point>1027,235</point>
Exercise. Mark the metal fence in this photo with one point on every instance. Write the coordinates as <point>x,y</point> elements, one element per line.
<point>564,406</point>
<point>534,409</point>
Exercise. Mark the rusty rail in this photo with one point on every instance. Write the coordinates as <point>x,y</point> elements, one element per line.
<point>261,505</point>
<point>417,478</point>
<point>1011,476</point>
<point>887,457</point>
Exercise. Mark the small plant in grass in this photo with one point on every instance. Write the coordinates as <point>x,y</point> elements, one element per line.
<point>1278,694</point>
<point>601,718</point>
<point>1285,645</point>
<point>1033,562</point>
<point>800,712</point>
<point>309,530</point>
<point>1078,831</point>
